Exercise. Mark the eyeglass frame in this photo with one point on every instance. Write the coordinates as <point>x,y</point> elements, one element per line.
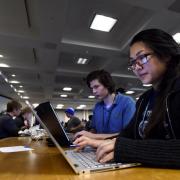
<point>139,60</point>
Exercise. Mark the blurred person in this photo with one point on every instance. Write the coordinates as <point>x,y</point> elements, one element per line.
<point>74,124</point>
<point>23,121</point>
<point>8,127</point>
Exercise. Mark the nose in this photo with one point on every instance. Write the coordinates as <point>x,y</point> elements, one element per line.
<point>138,67</point>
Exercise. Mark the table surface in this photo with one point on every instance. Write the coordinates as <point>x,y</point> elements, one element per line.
<point>47,163</point>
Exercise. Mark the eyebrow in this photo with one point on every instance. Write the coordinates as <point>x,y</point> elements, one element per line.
<point>139,52</point>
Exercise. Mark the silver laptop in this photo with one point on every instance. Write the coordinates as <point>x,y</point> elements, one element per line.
<point>81,162</point>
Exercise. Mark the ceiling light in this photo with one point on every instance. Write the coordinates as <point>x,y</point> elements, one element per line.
<point>6,79</point>
<point>27,102</point>
<point>4,65</point>
<point>1,56</point>
<point>82,105</point>
<point>63,95</point>
<point>13,75</point>
<point>137,98</point>
<point>20,86</point>
<point>20,91</point>
<point>103,23</point>
<point>129,92</point>
<point>82,61</point>
<point>35,105</point>
<point>25,97</point>
<point>67,89</point>
<point>78,107</point>
<point>59,106</point>
<point>91,97</point>
<point>177,37</point>
<point>147,85</point>
<point>14,82</point>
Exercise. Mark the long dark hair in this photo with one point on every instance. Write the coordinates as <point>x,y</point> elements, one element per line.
<point>164,47</point>
<point>103,77</point>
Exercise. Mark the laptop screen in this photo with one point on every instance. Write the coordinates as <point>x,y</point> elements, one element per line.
<point>48,116</point>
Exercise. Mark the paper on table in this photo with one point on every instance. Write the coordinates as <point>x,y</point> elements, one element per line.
<point>14,149</point>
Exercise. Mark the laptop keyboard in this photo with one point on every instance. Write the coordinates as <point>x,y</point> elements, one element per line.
<point>87,159</point>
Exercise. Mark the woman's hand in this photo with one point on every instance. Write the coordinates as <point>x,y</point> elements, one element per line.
<point>105,151</point>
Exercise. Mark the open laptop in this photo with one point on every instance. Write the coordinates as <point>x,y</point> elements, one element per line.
<point>81,162</point>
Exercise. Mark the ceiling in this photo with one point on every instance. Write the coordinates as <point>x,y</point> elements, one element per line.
<point>41,41</point>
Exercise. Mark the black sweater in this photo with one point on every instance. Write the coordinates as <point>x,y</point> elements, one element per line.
<point>157,150</point>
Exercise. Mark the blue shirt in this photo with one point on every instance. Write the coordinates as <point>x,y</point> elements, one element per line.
<point>115,118</point>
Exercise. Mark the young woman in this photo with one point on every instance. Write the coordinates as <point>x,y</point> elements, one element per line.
<point>153,136</point>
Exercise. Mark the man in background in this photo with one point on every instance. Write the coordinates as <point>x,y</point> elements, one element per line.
<point>74,124</point>
<point>8,127</point>
<point>23,121</point>
<point>112,112</point>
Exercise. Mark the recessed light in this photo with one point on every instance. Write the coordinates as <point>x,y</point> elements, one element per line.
<point>82,105</point>
<point>82,61</point>
<point>177,37</point>
<point>147,85</point>
<point>14,82</point>
<point>129,92</point>
<point>20,91</point>
<point>25,97</point>
<point>35,105</point>
<point>20,86</point>
<point>1,56</point>
<point>103,23</point>
<point>4,65</point>
<point>13,75</point>
<point>63,95</point>
<point>91,97</point>
<point>67,89</point>
<point>59,106</point>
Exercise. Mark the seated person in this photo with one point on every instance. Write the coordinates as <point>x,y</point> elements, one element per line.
<point>153,136</point>
<point>114,110</point>
<point>24,119</point>
<point>74,124</point>
<point>8,127</point>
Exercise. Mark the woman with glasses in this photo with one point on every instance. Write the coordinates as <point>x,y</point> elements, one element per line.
<point>153,137</point>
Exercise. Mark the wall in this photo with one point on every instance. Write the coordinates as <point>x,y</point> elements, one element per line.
<point>3,102</point>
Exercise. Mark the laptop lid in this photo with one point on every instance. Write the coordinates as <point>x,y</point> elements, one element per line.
<point>49,117</point>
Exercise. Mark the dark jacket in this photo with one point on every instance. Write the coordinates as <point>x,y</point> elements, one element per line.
<point>162,147</point>
<point>8,126</point>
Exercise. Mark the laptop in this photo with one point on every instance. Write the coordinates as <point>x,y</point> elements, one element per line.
<point>82,161</point>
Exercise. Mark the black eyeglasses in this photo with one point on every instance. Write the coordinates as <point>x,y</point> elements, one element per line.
<point>139,60</point>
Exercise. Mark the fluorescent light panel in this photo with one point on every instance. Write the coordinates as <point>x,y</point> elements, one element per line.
<point>82,61</point>
<point>129,92</point>
<point>4,65</point>
<point>63,95</point>
<point>67,89</point>
<point>103,23</point>
<point>14,82</point>
<point>147,85</point>
<point>177,37</point>
<point>91,97</point>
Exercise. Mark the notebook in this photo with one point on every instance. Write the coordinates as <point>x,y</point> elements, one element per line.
<point>81,162</point>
